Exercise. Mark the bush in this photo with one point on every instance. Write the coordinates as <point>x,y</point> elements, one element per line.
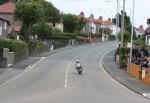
<point>17,46</point>
<point>139,42</point>
<point>35,45</point>
<point>68,35</point>
<point>60,37</point>
<point>80,39</point>
<point>126,36</point>
<point>112,37</point>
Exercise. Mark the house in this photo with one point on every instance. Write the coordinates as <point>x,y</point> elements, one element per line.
<point>4,24</point>
<point>94,25</point>
<point>58,26</point>
<point>140,31</point>
<point>90,27</point>
<point>13,32</point>
<point>7,12</point>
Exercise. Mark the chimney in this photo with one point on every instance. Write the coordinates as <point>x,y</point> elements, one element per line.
<point>82,14</point>
<point>141,26</point>
<point>100,17</point>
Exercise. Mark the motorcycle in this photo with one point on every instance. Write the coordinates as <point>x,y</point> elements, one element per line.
<point>80,70</point>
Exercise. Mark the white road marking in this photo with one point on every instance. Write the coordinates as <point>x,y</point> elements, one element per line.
<point>147,95</point>
<point>66,77</point>
<point>26,70</point>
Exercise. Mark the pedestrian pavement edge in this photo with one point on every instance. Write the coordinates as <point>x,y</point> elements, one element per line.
<point>114,77</point>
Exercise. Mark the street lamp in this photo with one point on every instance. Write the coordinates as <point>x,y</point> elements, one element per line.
<point>133,9</point>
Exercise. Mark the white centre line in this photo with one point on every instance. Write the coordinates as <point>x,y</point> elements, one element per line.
<point>66,77</point>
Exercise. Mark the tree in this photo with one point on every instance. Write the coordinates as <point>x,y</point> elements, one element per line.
<point>42,30</point>
<point>105,30</point>
<point>51,13</point>
<point>82,23</point>
<point>129,29</point>
<point>29,13</point>
<point>3,1</point>
<point>127,36</point>
<point>70,22</point>
<point>127,19</point>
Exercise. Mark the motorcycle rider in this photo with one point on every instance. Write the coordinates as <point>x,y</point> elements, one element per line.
<point>78,64</point>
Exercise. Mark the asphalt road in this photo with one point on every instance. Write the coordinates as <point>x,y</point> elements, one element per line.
<point>55,80</point>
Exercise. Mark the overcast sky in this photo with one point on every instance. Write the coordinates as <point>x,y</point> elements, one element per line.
<point>105,8</point>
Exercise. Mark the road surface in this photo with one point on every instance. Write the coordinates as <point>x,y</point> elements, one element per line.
<point>55,80</point>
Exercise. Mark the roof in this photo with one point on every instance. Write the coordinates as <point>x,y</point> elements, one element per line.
<point>108,23</point>
<point>99,20</point>
<point>8,7</point>
<point>141,29</point>
<point>2,18</point>
<point>14,29</point>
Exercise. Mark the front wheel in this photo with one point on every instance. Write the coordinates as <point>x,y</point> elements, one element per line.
<point>80,72</point>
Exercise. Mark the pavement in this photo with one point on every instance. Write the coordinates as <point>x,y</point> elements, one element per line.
<point>123,77</point>
<point>8,73</point>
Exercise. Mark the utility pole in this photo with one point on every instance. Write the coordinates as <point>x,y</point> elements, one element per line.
<point>117,23</point>
<point>122,27</point>
<point>132,30</point>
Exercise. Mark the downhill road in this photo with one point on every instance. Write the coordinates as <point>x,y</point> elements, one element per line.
<point>55,80</point>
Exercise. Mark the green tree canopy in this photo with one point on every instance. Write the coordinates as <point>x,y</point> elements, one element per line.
<point>3,1</point>
<point>82,23</point>
<point>29,13</point>
<point>127,19</point>
<point>105,30</point>
<point>127,36</point>
<point>70,22</point>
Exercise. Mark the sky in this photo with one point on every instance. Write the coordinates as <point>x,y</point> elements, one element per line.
<point>105,8</point>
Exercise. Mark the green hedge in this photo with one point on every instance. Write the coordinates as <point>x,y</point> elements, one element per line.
<point>67,35</point>
<point>60,37</point>
<point>35,45</point>
<point>17,46</point>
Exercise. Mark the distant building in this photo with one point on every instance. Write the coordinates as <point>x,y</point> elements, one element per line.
<point>140,31</point>
<point>94,25</point>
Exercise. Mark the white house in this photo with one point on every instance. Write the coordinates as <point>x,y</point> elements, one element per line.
<point>94,25</point>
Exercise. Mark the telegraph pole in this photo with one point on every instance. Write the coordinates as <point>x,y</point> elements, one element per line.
<point>122,27</point>
<point>132,29</point>
<point>117,23</point>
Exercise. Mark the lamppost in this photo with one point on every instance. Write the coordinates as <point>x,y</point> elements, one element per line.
<point>133,9</point>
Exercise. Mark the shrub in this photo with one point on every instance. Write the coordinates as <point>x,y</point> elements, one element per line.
<point>139,42</point>
<point>35,45</point>
<point>60,37</point>
<point>17,46</point>
<point>68,35</point>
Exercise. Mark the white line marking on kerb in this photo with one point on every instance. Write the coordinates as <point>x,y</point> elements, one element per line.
<point>66,77</point>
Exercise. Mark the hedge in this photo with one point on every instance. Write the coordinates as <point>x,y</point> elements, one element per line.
<point>17,46</point>
<point>60,37</point>
<point>69,35</point>
<point>34,45</point>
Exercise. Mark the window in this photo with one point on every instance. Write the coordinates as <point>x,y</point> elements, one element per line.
<point>5,25</point>
<point>0,30</point>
